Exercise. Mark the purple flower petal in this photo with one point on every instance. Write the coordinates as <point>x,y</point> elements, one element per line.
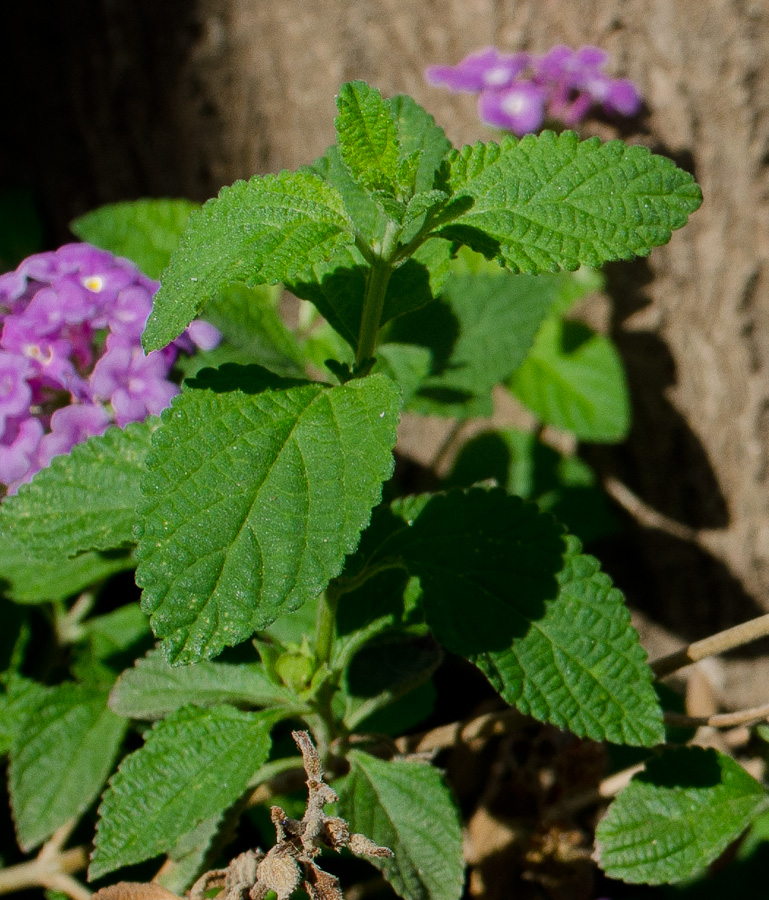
<point>69,426</point>
<point>520,109</point>
<point>15,392</point>
<point>623,98</point>
<point>590,57</point>
<point>486,69</point>
<point>18,451</point>
<point>128,315</point>
<point>204,335</point>
<point>569,83</point>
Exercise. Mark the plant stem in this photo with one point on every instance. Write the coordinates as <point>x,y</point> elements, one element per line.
<point>373,304</point>
<point>322,719</point>
<point>52,872</point>
<point>325,625</point>
<point>376,288</point>
<point>721,720</point>
<point>710,646</point>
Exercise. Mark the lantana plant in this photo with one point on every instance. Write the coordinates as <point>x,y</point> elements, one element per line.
<point>289,582</point>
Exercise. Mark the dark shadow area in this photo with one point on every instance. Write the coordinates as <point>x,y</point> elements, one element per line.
<point>98,106</point>
<point>678,584</point>
<point>248,379</point>
<point>436,327</point>
<point>663,461</point>
<point>487,565</point>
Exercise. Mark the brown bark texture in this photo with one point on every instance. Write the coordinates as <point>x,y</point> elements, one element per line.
<point>126,98</point>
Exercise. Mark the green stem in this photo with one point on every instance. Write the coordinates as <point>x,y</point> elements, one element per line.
<point>373,304</point>
<point>376,289</point>
<point>321,721</point>
<point>325,625</point>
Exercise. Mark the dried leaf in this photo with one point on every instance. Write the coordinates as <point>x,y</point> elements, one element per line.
<point>130,890</point>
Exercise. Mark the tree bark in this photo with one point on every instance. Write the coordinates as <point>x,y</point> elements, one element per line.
<point>122,99</point>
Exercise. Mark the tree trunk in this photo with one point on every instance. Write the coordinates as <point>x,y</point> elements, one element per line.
<point>122,99</point>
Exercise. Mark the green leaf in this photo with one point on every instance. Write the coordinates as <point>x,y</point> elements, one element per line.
<point>62,757</point>
<point>144,231</point>
<point>116,631</point>
<point>189,855</point>
<point>260,231</point>
<point>367,217</point>
<point>193,765</point>
<point>505,588</point>
<point>419,135</point>
<point>14,638</point>
<point>252,332</point>
<point>257,489</point>
<point>85,499</point>
<point>677,816</point>
<point>18,701</point>
<point>478,332</point>
<point>406,806</point>
<point>516,460</point>
<point>407,364</point>
<point>574,379</point>
<point>551,202</point>
<point>32,579</point>
<point>152,689</point>
<point>367,136</point>
<point>385,670</point>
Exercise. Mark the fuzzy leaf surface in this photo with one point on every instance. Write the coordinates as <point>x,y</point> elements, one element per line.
<point>367,135</point>
<point>116,631</point>
<point>406,806</point>
<point>189,855</point>
<point>478,333</point>
<point>145,231</point>
<point>85,499</point>
<point>19,699</point>
<point>260,231</point>
<point>505,588</point>
<point>418,134</point>
<point>152,688</point>
<point>257,489</point>
<point>385,670</point>
<point>193,765</point>
<point>677,816</point>
<point>574,379</point>
<point>367,217</point>
<point>64,752</point>
<point>550,202</point>
<point>32,579</point>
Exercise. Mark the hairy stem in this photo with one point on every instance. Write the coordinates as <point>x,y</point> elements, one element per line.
<point>711,646</point>
<point>376,289</point>
<point>322,719</point>
<point>325,625</point>
<point>373,304</point>
<point>49,871</point>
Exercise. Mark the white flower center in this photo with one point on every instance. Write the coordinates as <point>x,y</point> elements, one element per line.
<point>496,76</point>
<point>93,283</point>
<point>514,104</point>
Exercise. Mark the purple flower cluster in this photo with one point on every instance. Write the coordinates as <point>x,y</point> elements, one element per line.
<point>518,91</point>
<point>71,361</point>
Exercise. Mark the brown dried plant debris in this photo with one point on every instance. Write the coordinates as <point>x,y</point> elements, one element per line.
<point>290,863</point>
